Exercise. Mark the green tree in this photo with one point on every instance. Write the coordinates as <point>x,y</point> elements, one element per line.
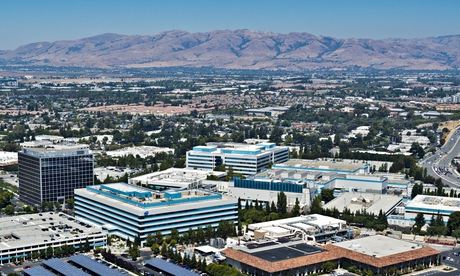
<point>315,207</point>
<point>328,267</point>
<point>417,189</point>
<point>155,248</point>
<point>134,252</point>
<point>296,209</point>
<point>327,195</point>
<point>419,223</point>
<point>9,210</point>
<point>281,204</point>
<point>164,249</point>
<point>453,223</point>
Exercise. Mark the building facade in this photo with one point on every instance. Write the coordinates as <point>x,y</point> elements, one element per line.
<point>431,206</point>
<point>242,158</point>
<point>47,175</point>
<point>267,191</point>
<point>131,211</point>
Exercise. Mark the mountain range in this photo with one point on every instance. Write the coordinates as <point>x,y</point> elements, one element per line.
<point>240,49</point>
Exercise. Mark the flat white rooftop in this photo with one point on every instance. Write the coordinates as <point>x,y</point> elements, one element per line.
<point>31,229</point>
<point>371,202</point>
<point>337,165</point>
<point>378,246</point>
<point>312,220</point>
<point>142,151</point>
<point>139,201</point>
<point>435,203</point>
<point>174,177</point>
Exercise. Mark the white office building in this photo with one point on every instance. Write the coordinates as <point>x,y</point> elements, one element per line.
<point>431,206</point>
<point>242,158</point>
<point>130,211</point>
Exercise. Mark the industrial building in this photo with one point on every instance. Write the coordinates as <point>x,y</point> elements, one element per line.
<point>372,203</point>
<point>377,254</point>
<point>23,235</point>
<point>342,166</point>
<point>431,206</point>
<point>174,178</point>
<point>130,211</point>
<point>358,183</point>
<point>242,158</point>
<point>52,174</point>
<point>266,189</point>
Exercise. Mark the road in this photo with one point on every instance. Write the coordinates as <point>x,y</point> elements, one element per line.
<point>438,164</point>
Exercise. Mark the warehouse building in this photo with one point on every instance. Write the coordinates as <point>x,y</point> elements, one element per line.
<point>130,211</point>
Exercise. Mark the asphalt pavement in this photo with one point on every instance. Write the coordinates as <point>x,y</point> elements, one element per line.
<point>438,164</point>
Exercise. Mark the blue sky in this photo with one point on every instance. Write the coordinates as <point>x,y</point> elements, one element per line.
<point>25,21</point>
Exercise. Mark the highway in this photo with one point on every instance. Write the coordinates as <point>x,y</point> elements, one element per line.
<point>438,165</point>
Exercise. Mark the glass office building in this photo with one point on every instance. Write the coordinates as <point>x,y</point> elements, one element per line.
<point>52,174</point>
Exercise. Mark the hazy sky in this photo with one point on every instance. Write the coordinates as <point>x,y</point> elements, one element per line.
<point>24,21</point>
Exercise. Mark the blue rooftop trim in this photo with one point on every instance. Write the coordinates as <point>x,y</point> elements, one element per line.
<point>168,267</point>
<point>38,271</point>
<point>267,146</point>
<point>153,204</point>
<point>205,148</point>
<point>138,193</point>
<point>64,268</point>
<point>93,266</point>
<point>241,151</point>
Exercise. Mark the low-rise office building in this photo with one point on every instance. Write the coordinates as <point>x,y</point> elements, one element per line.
<point>174,178</point>
<point>267,190</point>
<point>314,227</point>
<point>336,166</point>
<point>24,235</point>
<point>431,206</point>
<point>130,211</point>
<point>371,203</point>
<point>378,254</point>
<point>358,183</point>
<point>242,158</point>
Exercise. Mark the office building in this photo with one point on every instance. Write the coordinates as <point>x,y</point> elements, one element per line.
<point>431,206</point>
<point>242,158</point>
<point>314,227</point>
<point>266,190</point>
<point>371,203</point>
<point>130,211</point>
<point>174,178</point>
<point>52,174</point>
<point>337,166</point>
<point>378,254</point>
<point>24,235</point>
